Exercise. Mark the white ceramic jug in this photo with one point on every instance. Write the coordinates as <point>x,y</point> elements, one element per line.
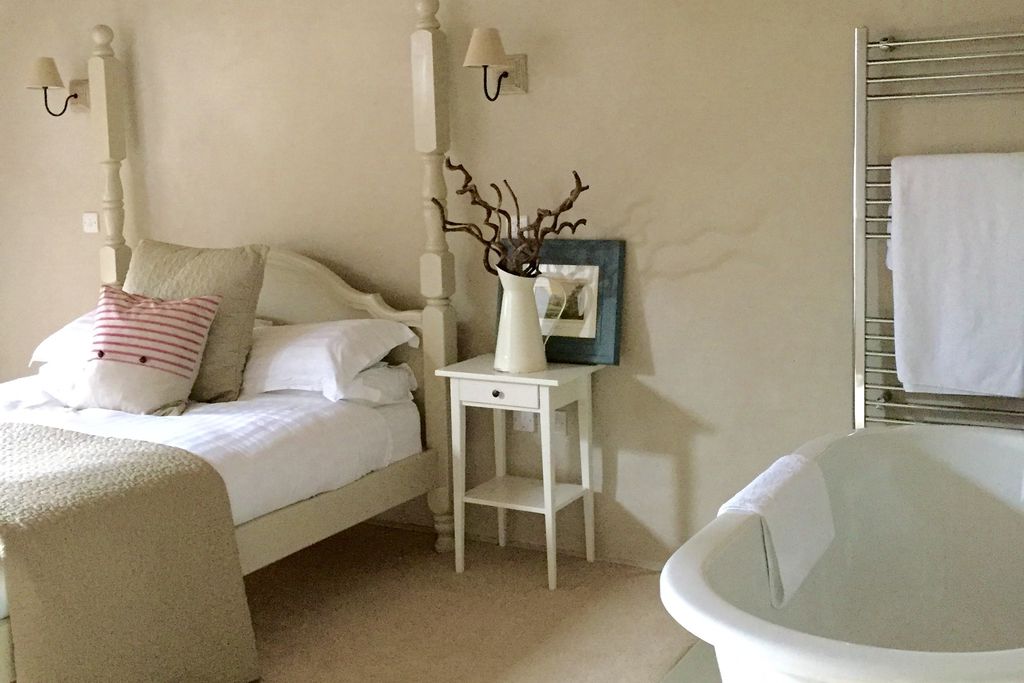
<point>520,347</point>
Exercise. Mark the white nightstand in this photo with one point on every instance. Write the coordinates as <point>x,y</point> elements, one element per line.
<point>476,383</point>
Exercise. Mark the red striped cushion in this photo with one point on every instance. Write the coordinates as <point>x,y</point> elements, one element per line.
<point>166,336</point>
<point>145,352</point>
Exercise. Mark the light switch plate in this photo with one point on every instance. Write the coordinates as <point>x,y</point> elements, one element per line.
<point>90,222</point>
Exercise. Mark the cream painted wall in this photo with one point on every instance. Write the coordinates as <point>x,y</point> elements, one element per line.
<point>715,135</point>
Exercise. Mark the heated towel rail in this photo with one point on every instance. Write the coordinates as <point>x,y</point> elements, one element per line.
<point>887,72</point>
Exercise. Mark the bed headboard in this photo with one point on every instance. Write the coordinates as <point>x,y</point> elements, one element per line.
<point>298,289</point>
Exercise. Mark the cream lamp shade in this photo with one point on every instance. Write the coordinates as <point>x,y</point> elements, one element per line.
<point>485,49</point>
<point>44,74</point>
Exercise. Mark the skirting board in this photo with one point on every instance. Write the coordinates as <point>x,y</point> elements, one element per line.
<point>492,539</point>
<point>6,661</point>
<point>698,665</point>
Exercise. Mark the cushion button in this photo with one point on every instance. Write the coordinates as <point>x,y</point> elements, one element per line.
<point>142,359</point>
<point>99,354</point>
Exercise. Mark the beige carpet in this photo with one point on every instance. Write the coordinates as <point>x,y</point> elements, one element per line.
<point>377,604</point>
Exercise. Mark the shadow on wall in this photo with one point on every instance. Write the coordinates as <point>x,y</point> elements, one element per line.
<point>702,249</point>
<point>641,430</point>
<point>653,428</point>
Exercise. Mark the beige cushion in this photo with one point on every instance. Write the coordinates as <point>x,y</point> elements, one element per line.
<point>171,271</point>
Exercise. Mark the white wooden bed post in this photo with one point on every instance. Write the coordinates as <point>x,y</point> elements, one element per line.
<point>437,265</point>
<point>106,94</point>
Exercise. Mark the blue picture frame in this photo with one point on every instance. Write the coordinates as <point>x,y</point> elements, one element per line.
<point>610,258</point>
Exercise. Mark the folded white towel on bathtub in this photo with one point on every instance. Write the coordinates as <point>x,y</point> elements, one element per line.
<point>957,255</point>
<point>796,519</point>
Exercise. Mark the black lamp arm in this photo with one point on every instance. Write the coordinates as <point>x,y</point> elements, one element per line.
<point>46,103</point>
<point>504,74</point>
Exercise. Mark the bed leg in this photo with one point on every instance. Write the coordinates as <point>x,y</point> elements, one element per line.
<point>444,522</point>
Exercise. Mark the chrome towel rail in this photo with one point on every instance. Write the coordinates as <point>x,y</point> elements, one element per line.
<point>947,58</point>
<point>888,43</point>
<point>936,68</point>
<point>952,93</point>
<point>941,408</point>
<point>943,77</point>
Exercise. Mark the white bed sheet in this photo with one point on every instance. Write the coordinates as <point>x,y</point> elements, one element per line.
<point>272,450</point>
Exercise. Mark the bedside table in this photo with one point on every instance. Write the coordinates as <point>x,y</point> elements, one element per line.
<point>476,383</point>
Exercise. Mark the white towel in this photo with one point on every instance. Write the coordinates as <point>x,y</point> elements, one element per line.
<point>796,519</point>
<point>958,273</point>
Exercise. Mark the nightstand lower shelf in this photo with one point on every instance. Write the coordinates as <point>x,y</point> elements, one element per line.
<point>521,493</point>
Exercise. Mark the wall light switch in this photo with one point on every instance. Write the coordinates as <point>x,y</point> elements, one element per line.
<point>523,422</point>
<point>90,221</point>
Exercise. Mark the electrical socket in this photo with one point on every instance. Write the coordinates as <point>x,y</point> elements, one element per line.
<point>558,425</point>
<point>523,422</point>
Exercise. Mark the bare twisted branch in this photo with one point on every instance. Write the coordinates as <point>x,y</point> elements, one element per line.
<point>517,252</point>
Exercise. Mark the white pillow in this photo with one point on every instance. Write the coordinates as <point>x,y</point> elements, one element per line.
<point>71,340</point>
<point>381,385</point>
<point>324,357</point>
<point>75,338</point>
<point>144,355</point>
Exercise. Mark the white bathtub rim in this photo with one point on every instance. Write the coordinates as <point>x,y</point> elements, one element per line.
<point>692,602</point>
<point>815,447</point>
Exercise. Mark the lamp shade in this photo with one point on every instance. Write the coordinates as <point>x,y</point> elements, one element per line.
<point>44,74</point>
<point>485,49</point>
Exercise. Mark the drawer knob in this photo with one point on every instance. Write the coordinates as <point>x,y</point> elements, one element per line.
<point>496,393</point>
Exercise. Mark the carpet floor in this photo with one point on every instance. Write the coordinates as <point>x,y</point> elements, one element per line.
<point>378,604</point>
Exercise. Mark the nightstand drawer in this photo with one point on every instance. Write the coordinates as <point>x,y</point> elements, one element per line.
<point>499,393</point>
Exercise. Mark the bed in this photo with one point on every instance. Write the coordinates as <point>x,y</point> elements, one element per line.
<point>403,456</point>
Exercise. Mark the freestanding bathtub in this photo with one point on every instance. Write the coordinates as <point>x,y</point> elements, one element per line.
<point>924,581</point>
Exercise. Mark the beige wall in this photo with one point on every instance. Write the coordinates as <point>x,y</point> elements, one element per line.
<point>715,135</point>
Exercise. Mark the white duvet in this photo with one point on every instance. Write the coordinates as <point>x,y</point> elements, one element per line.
<point>272,449</point>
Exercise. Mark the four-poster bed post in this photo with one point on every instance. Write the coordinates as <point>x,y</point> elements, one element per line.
<point>106,92</point>
<point>437,265</point>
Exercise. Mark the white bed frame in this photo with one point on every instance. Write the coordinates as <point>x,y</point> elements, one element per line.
<point>297,289</point>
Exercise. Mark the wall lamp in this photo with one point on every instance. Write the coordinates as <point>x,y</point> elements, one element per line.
<point>44,76</point>
<point>486,50</point>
